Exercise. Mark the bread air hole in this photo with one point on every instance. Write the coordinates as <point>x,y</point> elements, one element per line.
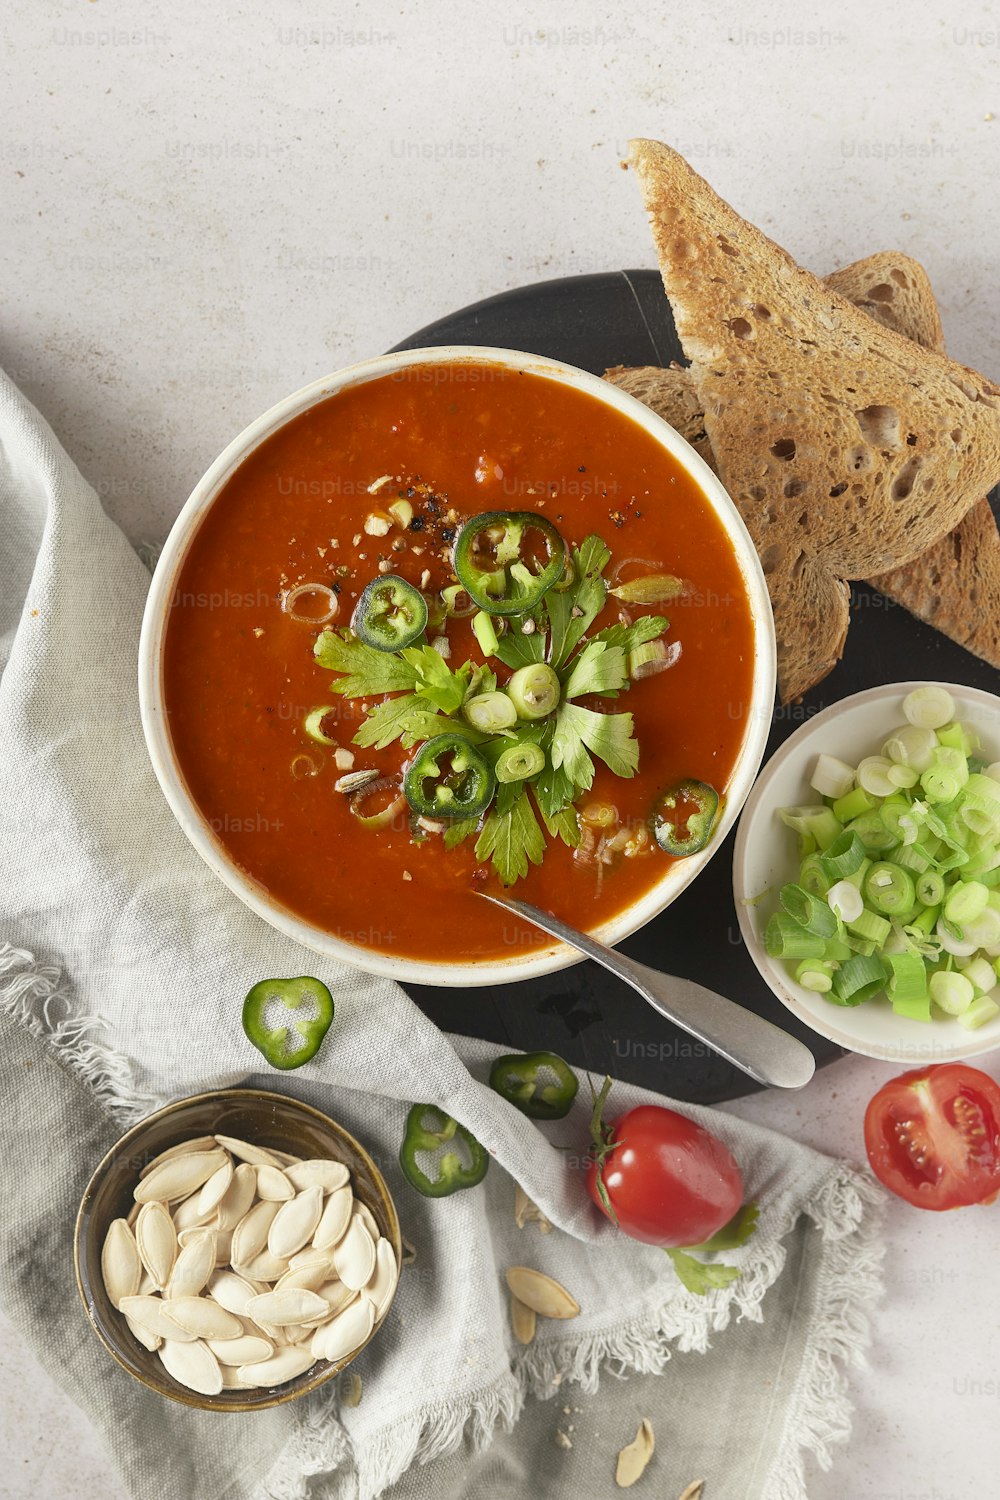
<point>902,485</point>
<point>956,435</point>
<point>838,489</point>
<point>792,488</point>
<point>899,278</point>
<point>879,426</point>
<point>726,247</point>
<point>784,448</point>
<point>882,293</point>
<point>740,327</point>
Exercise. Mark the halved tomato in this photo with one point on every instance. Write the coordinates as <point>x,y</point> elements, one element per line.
<point>933,1136</point>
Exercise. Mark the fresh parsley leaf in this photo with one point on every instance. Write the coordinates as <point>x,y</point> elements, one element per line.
<point>646,628</point>
<point>698,1277</point>
<point>515,649</point>
<point>367,672</point>
<point>435,679</point>
<point>598,668</point>
<point>511,837</point>
<point>574,610</point>
<point>425,725</point>
<point>388,720</point>
<point>456,833</point>
<point>481,681</point>
<point>553,790</point>
<point>609,736</point>
<point>562,825</point>
<point>734,1234</point>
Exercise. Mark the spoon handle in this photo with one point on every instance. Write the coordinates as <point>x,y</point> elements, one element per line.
<point>750,1043</point>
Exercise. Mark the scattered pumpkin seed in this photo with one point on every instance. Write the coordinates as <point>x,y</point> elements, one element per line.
<point>633,1459</point>
<point>541,1293</point>
<point>522,1319</point>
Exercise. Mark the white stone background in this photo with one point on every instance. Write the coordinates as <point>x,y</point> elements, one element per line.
<point>207,205</point>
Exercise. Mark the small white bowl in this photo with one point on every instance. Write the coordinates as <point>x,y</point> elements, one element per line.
<point>765,859</point>
<point>678,875</point>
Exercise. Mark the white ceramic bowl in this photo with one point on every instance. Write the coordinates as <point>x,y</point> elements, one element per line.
<point>539,961</point>
<point>765,859</point>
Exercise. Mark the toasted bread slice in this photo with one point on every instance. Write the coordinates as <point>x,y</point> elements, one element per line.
<point>955,584</point>
<point>808,401</point>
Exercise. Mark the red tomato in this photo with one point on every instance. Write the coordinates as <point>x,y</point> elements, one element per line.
<point>670,1182</point>
<point>933,1136</point>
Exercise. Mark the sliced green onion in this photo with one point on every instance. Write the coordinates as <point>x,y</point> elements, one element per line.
<point>873,776</point>
<point>824,828</point>
<point>983,930</point>
<point>930,888</point>
<point>813,875</point>
<point>870,926</point>
<point>518,762</point>
<point>966,901</point>
<point>798,818</point>
<point>457,603</point>
<point>929,707</point>
<point>979,1012</point>
<point>903,776</point>
<point>853,805</point>
<point>960,737</point>
<point>785,938</point>
<point>872,832</point>
<point>911,747</point>
<point>844,900</point>
<point>911,857</point>
<point>811,913</point>
<point>534,690</point>
<point>907,987</point>
<point>490,713</point>
<point>892,812</point>
<point>831,777</point>
<point>814,974</point>
<point>979,972</point>
<point>958,947</point>
<point>951,992</point>
<point>313,725</point>
<point>859,979</point>
<point>485,633</point>
<point>844,856</point>
<point>889,889</point>
<point>940,784</point>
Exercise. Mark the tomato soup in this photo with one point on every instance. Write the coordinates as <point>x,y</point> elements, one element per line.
<point>317,503</point>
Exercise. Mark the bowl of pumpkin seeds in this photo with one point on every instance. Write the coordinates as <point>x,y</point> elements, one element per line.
<point>236,1250</point>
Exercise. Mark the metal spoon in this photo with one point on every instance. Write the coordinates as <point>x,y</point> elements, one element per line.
<point>749,1042</point>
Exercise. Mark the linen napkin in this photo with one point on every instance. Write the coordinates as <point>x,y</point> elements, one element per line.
<point>123,963</point>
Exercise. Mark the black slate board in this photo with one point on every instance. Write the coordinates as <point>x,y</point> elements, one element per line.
<point>623,318</point>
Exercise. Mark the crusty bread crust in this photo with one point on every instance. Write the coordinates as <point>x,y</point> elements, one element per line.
<point>846,454</point>
<point>955,584</point>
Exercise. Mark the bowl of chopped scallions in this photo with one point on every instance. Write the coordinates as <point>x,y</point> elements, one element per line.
<point>867,872</point>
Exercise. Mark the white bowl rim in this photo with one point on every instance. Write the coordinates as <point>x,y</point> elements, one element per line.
<point>556,955</point>
<point>965,1044</point>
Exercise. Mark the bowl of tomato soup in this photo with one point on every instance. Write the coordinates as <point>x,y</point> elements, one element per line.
<point>457,621</point>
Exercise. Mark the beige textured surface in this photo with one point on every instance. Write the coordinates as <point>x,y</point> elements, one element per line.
<point>807,402</point>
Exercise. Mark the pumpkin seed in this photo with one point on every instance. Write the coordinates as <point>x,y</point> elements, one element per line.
<point>361,1211</point>
<point>179,1176</point>
<point>295,1223</point>
<point>335,1218</point>
<point>633,1459</point>
<point>539,1292</point>
<point>239,1197</point>
<point>382,1282</point>
<point>231,1291</point>
<point>183,1148</point>
<point>121,1267</point>
<point>526,1211</point>
<point>264,1267</point>
<point>273,1185</point>
<point>150,1313</point>
<point>523,1320</point>
<point>293,1305</point>
<point>215,1189</point>
<point>354,1257</point>
<point>257,1156</point>
<point>284,1158</point>
<point>194,1266</point>
<point>223,1247</point>
<point>337,1296</point>
<point>187,1215</point>
<point>345,1333</point>
<point>310,1275</point>
<point>250,1349</point>
<point>156,1240</point>
<point>329,1175</point>
<point>250,1234</point>
<point>150,1341</point>
<point>693,1491</point>
<point>283,1366</point>
<point>203,1318</point>
<point>193,1365</point>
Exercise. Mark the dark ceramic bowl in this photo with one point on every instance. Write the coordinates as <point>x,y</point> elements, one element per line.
<point>264,1119</point>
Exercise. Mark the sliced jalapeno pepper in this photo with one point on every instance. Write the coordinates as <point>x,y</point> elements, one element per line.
<point>449,778</point>
<point>685,817</point>
<point>430,1129</point>
<point>498,570</point>
<point>285,1037</point>
<point>390,614</point>
<point>515,1077</point>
